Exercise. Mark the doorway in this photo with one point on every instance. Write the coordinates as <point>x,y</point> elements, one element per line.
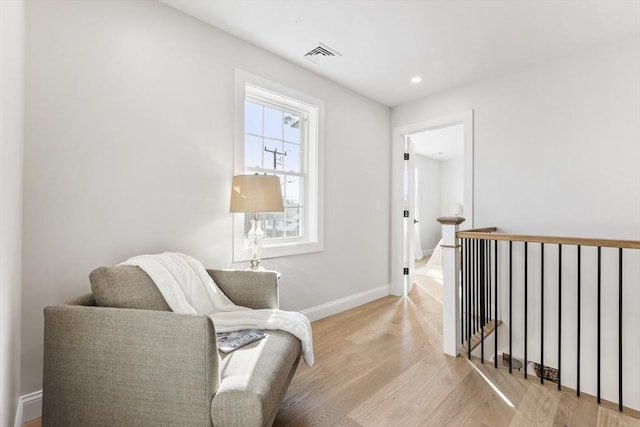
<point>439,188</point>
<point>403,195</point>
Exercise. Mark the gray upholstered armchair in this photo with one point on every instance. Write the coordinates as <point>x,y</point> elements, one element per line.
<point>120,357</point>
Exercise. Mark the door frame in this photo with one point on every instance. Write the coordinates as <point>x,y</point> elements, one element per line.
<point>397,166</point>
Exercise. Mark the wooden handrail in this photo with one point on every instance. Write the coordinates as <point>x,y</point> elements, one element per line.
<point>480,230</point>
<point>487,234</point>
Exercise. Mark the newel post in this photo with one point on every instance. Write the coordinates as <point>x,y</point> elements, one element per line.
<point>451,279</point>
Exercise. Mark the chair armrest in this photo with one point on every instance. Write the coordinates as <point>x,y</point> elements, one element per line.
<point>254,289</point>
<point>109,366</point>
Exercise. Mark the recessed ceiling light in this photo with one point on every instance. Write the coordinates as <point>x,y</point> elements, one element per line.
<point>416,79</point>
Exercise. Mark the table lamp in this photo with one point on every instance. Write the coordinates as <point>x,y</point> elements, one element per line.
<point>256,194</point>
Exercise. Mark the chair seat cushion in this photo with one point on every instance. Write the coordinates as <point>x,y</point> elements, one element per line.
<point>254,379</point>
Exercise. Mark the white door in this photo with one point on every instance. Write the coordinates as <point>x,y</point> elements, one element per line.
<point>416,214</point>
<point>409,217</point>
<point>399,241</point>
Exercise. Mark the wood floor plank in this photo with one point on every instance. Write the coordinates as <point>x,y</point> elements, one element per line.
<point>513,388</point>
<point>611,418</point>
<point>474,402</point>
<point>414,395</point>
<point>347,390</point>
<point>537,408</point>
<point>575,411</point>
<point>404,349</point>
<point>433,288</point>
<point>347,422</point>
<point>382,365</point>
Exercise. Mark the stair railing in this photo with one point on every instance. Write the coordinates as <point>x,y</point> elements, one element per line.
<point>556,294</point>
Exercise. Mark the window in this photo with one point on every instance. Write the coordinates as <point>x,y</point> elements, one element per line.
<point>280,134</point>
<point>272,145</point>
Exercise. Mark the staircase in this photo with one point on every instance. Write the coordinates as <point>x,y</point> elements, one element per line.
<point>478,337</point>
<point>568,305</point>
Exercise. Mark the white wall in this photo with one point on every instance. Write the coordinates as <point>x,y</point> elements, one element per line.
<point>556,146</point>
<point>129,150</point>
<point>557,152</point>
<point>12,29</point>
<point>452,185</point>
<point>429,196</point>
<point>440,186</point>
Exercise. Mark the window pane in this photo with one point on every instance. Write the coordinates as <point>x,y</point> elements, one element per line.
<point>273,159</point>
<point>292,191</point>
<point>292,159</point>
<point>252,151</point>
<point>272,123</point>
<point>292,222</point>
<point>267,225</point>
<point>252,118</point>
<point>273,225</point>
<point>247,224</point>
<point>291,128</point>
<point>283,180</point>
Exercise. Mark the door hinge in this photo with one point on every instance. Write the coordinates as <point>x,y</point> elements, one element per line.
<point>406,214</point>
<point>406,156</point>
<point>405,271</point>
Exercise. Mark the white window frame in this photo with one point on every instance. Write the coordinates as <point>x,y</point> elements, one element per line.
<point>312,238</point>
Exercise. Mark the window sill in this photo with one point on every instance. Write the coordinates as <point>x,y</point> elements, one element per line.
<point>242,254</point>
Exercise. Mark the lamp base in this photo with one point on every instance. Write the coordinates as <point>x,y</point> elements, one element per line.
<point>256,236</point>
<point>255,265</point>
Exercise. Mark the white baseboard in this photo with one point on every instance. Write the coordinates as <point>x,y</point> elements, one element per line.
<point>343,304</point>
<point>428,252</point>
<point>29,408</point>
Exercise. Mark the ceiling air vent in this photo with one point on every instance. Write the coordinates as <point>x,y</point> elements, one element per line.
<point>321,54</point>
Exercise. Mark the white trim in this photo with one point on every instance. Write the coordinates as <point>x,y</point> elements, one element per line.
<point>29,408</point>
<point>344,304</point>
<point>398,139</point>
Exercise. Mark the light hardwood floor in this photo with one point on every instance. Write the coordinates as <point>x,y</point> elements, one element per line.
<point>382,364</point>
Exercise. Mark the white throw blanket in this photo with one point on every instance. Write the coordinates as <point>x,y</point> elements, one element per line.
<point>188,288</point>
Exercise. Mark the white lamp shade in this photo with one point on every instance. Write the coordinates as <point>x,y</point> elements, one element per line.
<point>256,193</point>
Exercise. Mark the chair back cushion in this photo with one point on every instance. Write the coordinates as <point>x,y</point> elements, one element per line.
<point>126,287</point>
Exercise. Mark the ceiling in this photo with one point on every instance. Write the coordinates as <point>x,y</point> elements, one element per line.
<point>447,42</point>
<point>440,144</point>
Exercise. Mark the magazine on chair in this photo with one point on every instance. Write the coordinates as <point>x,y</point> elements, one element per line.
<point>229,341</point>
